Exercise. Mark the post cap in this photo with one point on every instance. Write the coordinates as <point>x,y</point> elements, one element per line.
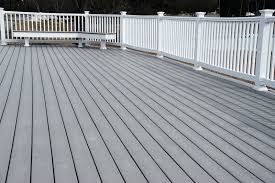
<point>200,14</point>
<point>86,12</point>
<point>123,13</point>
<point>267,12</point>
<point>161,13</point>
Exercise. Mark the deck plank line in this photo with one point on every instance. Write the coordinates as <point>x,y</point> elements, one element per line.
<point>68,121</point>
<point>135,174</point>
<point>60,65</point>
<point>107,71</point>
<point>201,86</point>
<point>3,61</point>
<point>62,157</point>
<point>19,168</point>
<point>128,128</point>
<point>252,159</point>
<point>260,150</point>
<point>252,126</point>
<point>110,174</point>
<point>14,104</point>
<point>241,139</point>
<point>80,115</point>
<point>121,118</point>
<point>32,117</point>
<point>8,59</point>
<point>229,121</point>
<point>220,82</point>
<point>179,69</point>
<point>42,154</point>
<point>6,127</point>
<point>148,117</point>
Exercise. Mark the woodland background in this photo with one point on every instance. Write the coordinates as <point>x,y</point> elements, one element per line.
<point>173,7</point>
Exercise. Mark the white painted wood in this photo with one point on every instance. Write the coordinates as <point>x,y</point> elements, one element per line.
<point>87,24</point>
<point>103,45</point>
<point>223,43</point>
<point>122,30</point>
<point>2,27</point>
<point>262,56</point>
<point>27,42</point>
<point>160,32</point>
<point>80,35</point>
<point>197,40</point>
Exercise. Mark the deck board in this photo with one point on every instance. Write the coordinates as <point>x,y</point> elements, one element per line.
<point>88,115</point>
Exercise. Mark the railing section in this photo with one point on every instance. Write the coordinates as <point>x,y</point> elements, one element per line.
<point>270,66</point>
<point>239,47</point>
<point>23,21</point>
<point>229,44</point>
<point>141,32</point>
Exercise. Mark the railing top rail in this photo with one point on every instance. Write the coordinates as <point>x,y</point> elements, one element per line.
<point>179,18</point>
<point>231,19</point>
<point>142,16</point>
<point>106,15</point>
<point>271,19</point>
<point>42,13</point>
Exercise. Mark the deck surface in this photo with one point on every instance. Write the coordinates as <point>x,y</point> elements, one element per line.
<point>85,115</point>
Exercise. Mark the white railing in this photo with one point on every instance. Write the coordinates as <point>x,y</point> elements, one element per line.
<point>61,22</point>
<point>239,47</point>
<point>24,21</point>
<point>270,69</point>
<point>229,45</point>
<point>104,24</point>
<point>141,32</point>
<point>178,37</point>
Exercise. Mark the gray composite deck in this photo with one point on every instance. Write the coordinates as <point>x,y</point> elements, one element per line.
<point>87,115</point>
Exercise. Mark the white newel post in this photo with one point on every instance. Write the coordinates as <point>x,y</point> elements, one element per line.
<point>122,30</point>
<point>198,37</point>
<point>160,29</point>
<point>262,50</point>
<point>87,24</point>
<point>2,27</point>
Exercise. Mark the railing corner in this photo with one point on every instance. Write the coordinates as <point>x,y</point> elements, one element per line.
<point>2,27</point>
<point>262,51</point>
<point>122,30</point>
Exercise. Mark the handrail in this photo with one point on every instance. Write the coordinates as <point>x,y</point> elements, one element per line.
<point>242,47</point>
<point>42,13</point>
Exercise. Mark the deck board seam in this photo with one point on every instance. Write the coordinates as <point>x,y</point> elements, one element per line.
<point>128,128</point>
<point>235,161</point>
<point>161,129</point>
<point>189,76</point>
<point>221,127</point>
<point>93,120</point>
<point>208,97</point>
<point>46,110</point>
<point>208,77</point>
<point>61,115</point>
<point>225,120</point>
<point>17,114</point>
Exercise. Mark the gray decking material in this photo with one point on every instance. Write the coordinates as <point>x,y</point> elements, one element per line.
<point>87,115</point>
